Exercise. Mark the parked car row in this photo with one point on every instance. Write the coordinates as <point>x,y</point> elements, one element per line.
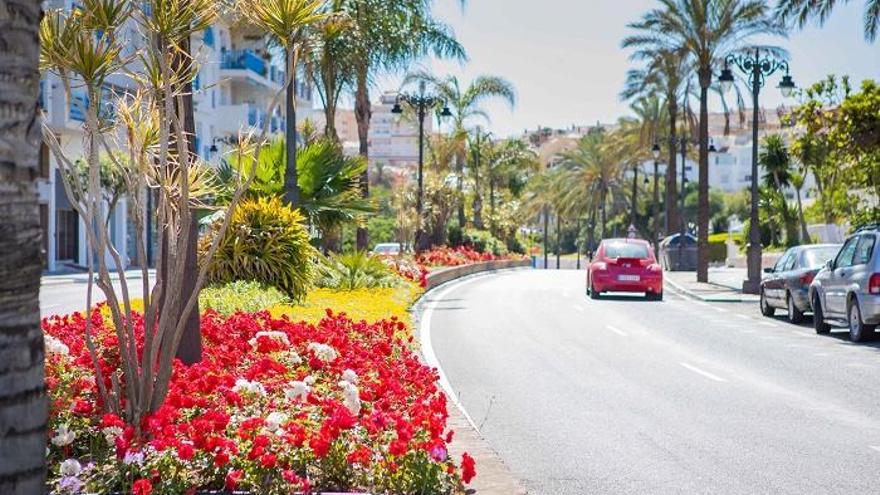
<point>839,284</point>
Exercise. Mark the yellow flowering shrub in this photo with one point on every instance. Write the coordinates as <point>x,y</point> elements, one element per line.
<point>360,304</point>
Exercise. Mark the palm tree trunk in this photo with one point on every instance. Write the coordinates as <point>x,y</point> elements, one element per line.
<point>23,400</point>
<point>291,181</point>
<point>492,204</point>
<point>672,221</point>
<point>703,189</point>
<point>362,114</point>
<point>459,169</point>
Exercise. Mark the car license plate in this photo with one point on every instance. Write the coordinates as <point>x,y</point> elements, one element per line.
<point>628,278</point>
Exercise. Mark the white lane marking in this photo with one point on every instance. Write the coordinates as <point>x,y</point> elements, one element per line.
<point>616,330</point>
<point>578,308</point>
<point>428,348</point>
<point>716,308</point>
<point>703,373</point>
<point>874,447</point>
<point>744,317</point>
<point>768,324</point>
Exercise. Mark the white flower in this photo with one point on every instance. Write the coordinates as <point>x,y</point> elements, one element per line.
<point>350,376</point>
<point>296,390</point>
<point>274,420</point>
<point>272,334</point>
<point>63,436</point>
<point>70,467</point>
<point>294,358</point>
<point>133,458</point>
<point>323,352</point>
<point>111,433</point>
<point>310,380</point>
<point>352,398</point>
<point>55,346</point>
<point>249,387</point>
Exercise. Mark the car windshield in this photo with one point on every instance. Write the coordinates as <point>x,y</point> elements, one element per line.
<point>626,250</point>
<point>816,257</point>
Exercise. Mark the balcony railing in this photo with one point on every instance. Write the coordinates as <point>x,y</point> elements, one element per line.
<point>79,103</point>
<point>244,59</point>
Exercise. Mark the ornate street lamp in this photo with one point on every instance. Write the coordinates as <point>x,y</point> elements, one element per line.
<point>422,103</point>
<point>758,69</point>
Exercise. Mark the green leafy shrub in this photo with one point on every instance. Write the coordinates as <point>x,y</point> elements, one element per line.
<point>241,295</point>
<point>454,236</point>
<point>355,271</point>
<point>482,241</point>
<point>265,242</point>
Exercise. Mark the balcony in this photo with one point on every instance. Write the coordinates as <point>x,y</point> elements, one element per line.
<point>232,118</point>
<point>79,103</point>
<point>250,65</point>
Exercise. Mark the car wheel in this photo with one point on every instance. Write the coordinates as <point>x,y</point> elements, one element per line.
<point>795,315</point>
<point>858,330</point>
<point>819,317</point>
<point>654,296</point>
<point>593,293</point>
<point>766,309</point>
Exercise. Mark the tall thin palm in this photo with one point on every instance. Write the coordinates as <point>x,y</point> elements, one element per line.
<point>663,72</point>
<point>800,12</point>
<point>328,62</point>
<point>776,160</point>
<point>287,23</point>
<point>386,36</point>
<point>708,30</point>
<point>465,105</point>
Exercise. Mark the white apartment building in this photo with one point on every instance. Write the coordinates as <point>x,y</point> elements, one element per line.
<point>394,139</point>
<point>237,78</point>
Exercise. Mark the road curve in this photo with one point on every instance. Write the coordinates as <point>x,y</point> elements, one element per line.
<point>627,396</point>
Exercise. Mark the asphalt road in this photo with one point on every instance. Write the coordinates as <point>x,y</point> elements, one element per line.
<point>622,395</point>
<point>70,297</point>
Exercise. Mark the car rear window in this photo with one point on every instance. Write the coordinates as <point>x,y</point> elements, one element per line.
<point>626,250</point>
<point>816,257</point>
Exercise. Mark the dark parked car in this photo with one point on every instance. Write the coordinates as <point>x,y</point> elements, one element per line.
<point>787,284</point>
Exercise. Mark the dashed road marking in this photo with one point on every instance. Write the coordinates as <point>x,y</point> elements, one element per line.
<point>616,330</point>
<point>703,373</point>
<point>874,447</point>
<point>744,317</point>
<point>768,324</point>
<point>578,308</point>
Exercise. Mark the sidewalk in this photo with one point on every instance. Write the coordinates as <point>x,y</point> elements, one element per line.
<point>725,285</point>
<point>83,277</point>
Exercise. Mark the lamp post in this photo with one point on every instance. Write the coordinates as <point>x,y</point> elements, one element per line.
<point>758,69</point>
<point>683,142</point>
<point>422,103</point>
<point>632,219</point>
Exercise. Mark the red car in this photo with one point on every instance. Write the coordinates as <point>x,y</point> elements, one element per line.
<point>625,265</point>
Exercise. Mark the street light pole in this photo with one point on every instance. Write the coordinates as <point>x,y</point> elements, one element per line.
<point>682,227</point>
<point>654,208</point>
<point>421,103</point>
<point>632,220</point>
<point>758,69</point>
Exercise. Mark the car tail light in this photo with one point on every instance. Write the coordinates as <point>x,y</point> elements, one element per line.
<point>807,278</point>
<point>874,284</point>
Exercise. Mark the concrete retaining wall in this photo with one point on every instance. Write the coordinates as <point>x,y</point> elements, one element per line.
<point>448,274</point>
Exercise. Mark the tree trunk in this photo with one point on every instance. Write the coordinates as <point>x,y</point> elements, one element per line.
<point>672,220</point>
<point>190,349</point>
<point>492,204</point>
<point>363,113</point>
<point>23,400</point>
<point>478,198</point>
<point>805,234</point>
<point>291,181</point>
<point>703,189</point>
<point>459,169</point>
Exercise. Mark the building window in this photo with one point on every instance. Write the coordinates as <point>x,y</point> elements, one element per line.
<point>208,38</point>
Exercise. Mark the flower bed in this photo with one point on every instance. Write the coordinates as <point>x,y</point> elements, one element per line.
<point>462,255</point>
<point>275,407</point>
<point>359,304</point>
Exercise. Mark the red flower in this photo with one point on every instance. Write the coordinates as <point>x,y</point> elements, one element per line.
<point>232,478</point>
<point>268,461</point>
<point>142,487</point>
<point>468,468</point>
<point>221,459</point>
<point>185,451</point>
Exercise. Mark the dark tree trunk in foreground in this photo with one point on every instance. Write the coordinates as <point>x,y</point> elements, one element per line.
<point>703,189</point>
<point>291,181</point>
<point>23,402</point>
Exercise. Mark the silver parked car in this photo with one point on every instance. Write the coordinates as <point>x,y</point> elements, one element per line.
<point>787,284</point>
<point>847,290</point>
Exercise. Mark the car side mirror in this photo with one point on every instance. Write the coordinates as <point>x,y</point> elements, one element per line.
<point>590,255</point>
<point>769,270</point>
<point>829,264</point>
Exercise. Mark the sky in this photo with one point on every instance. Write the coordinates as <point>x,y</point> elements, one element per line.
<point>565,60</point>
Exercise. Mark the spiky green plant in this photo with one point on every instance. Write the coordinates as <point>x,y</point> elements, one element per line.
<point>356,270</point>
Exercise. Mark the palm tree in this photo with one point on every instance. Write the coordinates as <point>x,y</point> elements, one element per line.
<point>23,402</point>
<point>327,61</point>
<point>464,103</point>
<point>287,23</point>
<point>802,11</point>
<point>707,30</point>
<point>664,72</point>
<point>387,35</point>
<point>776,160</point>
<point>797,182</point>
<point>509,164</point>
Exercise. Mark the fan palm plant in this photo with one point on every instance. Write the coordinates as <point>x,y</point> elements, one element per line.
<point>776,160</point>
<point>802,11</point>
<point>287,23</point>
<point>707,30</point>
<point>464,104</point>
<point>509,164</point>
